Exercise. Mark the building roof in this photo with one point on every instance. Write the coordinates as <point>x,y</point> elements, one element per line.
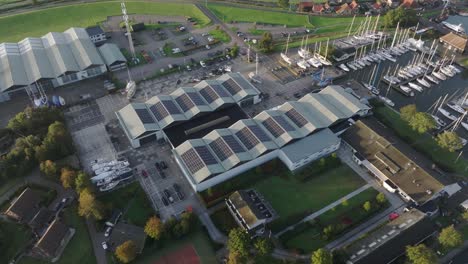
<point>111,54</point>
<point>391,157</point>
<point>318,8</point>
<point>312,144</point>
<point>52,238</point>
<point>95,30</point>
<point>342,8</point>
<point>455,40</point>
<point>269,130</point>
<point>184,104</point>
<point>250,208</point>
<point>50,56</point>
<point>26,205</point>
<point>41,218</point>
<point>388,242</point>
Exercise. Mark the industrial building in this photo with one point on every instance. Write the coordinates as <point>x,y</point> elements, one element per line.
<point>196,110</point>
<point>96,34</point>
<point>52,60</point>
<point>296,132</point>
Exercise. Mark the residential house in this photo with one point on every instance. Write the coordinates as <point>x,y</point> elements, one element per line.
<point>409,3</point>
<point>305,6</point>
<point>454,42</point>
<point>343,9</point>
<point>53,241</point>
<point>25,207</point>
<point>318,8</point>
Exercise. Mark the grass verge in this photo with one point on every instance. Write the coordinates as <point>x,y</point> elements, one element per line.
<point>220,35</point>
<point>223,220</point>
<point>14,237</point>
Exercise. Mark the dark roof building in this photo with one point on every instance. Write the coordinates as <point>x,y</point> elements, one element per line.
<point>23,208</point>
<point>53,241</point>
<point>40,219</point>
<point>398,166</point>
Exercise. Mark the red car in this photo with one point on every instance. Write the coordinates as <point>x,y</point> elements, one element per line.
<point>144,174</point>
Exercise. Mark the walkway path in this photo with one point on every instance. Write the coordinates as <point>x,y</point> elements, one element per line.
<point>325,209</point>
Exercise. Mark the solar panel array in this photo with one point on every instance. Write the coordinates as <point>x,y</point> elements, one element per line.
<point>284,123</point>
<point>232,87</point>
<point>171,107</point>
<point>192,160</point>
<point>196,98</point>
<point>259,133</point>
<point>209,94</point>
<point>206,155</point>
<point>297,118</point>
<point>247,138</point>
<point>144,116</point>
<point>221,149</point>
<point>159,111</point>
<point>220,90</point>
<point>184,102</point>
<point>273,127</point>
<point>233,144</point>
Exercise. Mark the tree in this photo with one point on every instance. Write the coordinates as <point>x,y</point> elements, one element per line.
<point>322,256</point>
<point>82,181</point>
<point>407,112</point>
<point>380,198</point>
<point>239,242</point>
<point>263,246</point>
<point>89,206</point>
<point>283,3</point>
<point>126,252</point>
<point>406,17</point>
<point>449,140</point>
<point>465,215</point>
<point>154,228</point>
<point>328,231</point>
<point>422,122</point>
<point>344,202</point>
<point>234,50</point>
<point>67,177</point>
<point>367,206</point>
<point>49,168</point>
<point>449,237</point>
<point>421,254</point>
<point>266,42</point>
<point>234,258</point>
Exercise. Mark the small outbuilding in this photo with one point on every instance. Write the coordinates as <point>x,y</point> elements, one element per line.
<point>464,205</point>
<point>454,42</point>
<point>113,57</point>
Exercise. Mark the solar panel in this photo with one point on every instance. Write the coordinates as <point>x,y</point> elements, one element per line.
<point>206,155</point>
<point>171,107</point>
<point>144,116</point>
<point>159,111</point>
<point>247,138</point>
<point>233,144</point>
<point>192,160</point>
<point>259,133</point>
<point>232,87</point>
<point>196,98</point>
<point>184,102</point>
<point>283,123</point>
<point>221,149</point>
<point>220,90</point>
<point>273,127</point>
<point>209,94</point>
<point>297,118</point>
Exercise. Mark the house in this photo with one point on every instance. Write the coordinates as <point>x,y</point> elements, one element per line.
<point>25,207</point>
<point>392,3</point>
<point>377,6</point>
<point>400,168</point>
<point>40,220</point>
<point>409,3</point>
<point>54,240</point>
<point>96,34</point>
<point>305,6</point>
<point>113,57</point>
<point>454,42</point>
<point>354,6</point>
<point>250,211</point>
<point>343,9</point>
<point>318,8</point>
<point>388,242</point>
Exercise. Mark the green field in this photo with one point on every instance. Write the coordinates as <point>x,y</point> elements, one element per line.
<point>425,143</point>
<point>219,34</point>
<point>79,250</point>
<point>13,238</point>
<point>229,13</point>
<point>37,23</point>
<point>223,220</point>
<point>293,199</point>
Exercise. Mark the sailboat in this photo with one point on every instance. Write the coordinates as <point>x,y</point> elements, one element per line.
<point>439,121</point>
<point>343,67</point>
<point>447,114</point>
<point>130,89</point>
<point>303,51</point>
<point>456,108</point>
<point>284,55</point>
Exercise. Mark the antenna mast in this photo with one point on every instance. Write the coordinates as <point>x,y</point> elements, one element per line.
<point>127,26</point>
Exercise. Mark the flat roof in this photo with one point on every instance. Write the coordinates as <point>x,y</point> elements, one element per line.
<point>204,124</point>
<point>391,156</point>
<point>455,40</point>
<point>252,210</point>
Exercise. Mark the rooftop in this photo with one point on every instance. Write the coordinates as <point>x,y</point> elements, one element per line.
<point>51,240</point>
<point>96,30</point>
<point>111,54</point>
<point>391,156</point>
<point>26,205</point>
<point>455,40</point>
<point>249,206</point>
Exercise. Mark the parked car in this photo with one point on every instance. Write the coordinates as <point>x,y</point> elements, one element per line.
<point>203,64</point>
<point>114,218</point>
<point>108,231</point>
<point>104,245</point>
<point>163,165</point>
<point>163,175</point>
<point>178,191</point>
<point>188,68</point>
<point>144,174</point>
<point>164,200</point>
<point>207,47</point>
<point>168,195</point>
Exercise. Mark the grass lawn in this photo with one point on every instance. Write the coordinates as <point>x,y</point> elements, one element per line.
<point>220,35</point>
<point>132,200</point>
<point>79,250</point>
<point>37,23</point>
<point>229,13</point>
<point>7,185</point>
<point>223,220</point>
<point>257,32</point>
<point>464,231</point>
<point>293,199</point>
<point>14,237</point>
<point>425,143</point>
<point>280,46</point>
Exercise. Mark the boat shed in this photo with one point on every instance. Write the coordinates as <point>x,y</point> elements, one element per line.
<point>454,42</point>
<point>113,57</point>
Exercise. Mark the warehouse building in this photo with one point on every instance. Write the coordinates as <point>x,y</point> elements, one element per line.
<point>195,110</point>
<point>50,61</point>
<point>295,132</point>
